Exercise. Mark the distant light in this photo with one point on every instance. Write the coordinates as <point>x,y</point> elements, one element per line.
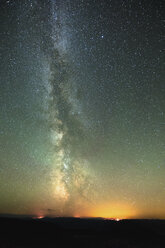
<point>39,217</point>
<point>102,36</point>
<point>114,219</point>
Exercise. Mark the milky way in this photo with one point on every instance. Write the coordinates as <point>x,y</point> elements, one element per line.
<point>82,108</point>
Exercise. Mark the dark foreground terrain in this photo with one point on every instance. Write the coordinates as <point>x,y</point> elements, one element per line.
<point>75,232</point>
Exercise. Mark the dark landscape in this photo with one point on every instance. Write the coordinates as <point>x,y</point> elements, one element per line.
<point>80,232</point>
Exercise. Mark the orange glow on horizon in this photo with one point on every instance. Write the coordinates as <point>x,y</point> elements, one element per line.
<point>114,211</point>
<point>77,216</point>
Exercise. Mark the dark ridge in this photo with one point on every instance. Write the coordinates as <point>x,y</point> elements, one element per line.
<point>80,232</point>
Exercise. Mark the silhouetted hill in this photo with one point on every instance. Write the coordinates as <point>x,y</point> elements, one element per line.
<point>76,232</point>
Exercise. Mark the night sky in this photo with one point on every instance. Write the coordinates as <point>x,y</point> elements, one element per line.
<point>82,108</point>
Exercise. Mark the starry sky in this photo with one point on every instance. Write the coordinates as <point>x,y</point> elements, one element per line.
<point>82,108</point>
